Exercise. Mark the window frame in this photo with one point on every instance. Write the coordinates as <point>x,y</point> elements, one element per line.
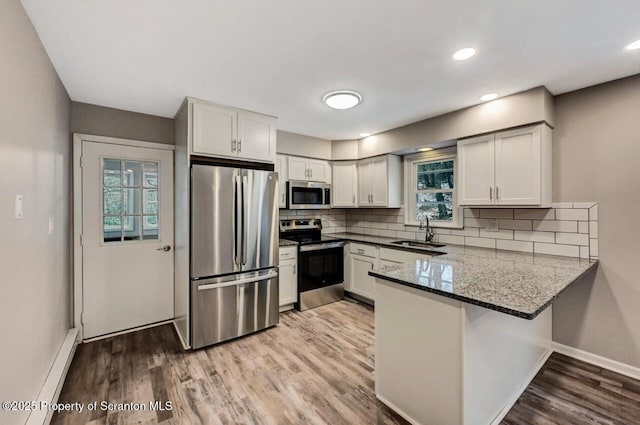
<point>411,163</point>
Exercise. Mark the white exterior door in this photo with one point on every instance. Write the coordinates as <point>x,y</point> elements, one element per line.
<point>214,130</point>
<point>476,171</point>
<point>518,169</point>
<point>345,187</point>
<point>297,169</point>
<point>127,237</point>
<point>256,137</point>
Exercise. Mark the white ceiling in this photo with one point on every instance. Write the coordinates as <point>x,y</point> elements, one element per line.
<point>280,56</point>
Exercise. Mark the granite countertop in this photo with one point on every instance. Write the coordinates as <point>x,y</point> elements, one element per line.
<point>519,284</point>
<point>287,242</point>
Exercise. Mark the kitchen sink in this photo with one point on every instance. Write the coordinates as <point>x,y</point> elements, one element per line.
<point>419,244</point>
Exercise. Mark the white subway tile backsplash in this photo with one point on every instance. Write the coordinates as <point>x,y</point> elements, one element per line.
<point>480,242</point>
<point>496,213</point>
<point>556,249</point>
<point>572,214</point>
<point>548,237</point>
<point>521,246</point>
<point>455,240</point>
<point>555,226</point>
<point>583,227</point>
<point>569,229</point>
<point>500,234</point>
<point>467,231</point>
<point>534,214</point>
<point>515,224</point>
<point>572,238</point>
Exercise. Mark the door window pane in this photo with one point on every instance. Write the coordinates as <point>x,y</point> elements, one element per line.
<point>130,200</point>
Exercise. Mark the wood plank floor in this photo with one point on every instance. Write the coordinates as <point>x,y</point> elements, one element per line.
<point>315,367</point>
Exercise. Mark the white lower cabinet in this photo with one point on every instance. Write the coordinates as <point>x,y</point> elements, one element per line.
<point>288,277</point>
<point>362,258</point>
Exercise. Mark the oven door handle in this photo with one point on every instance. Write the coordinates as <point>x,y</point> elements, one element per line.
<point>317,247</point>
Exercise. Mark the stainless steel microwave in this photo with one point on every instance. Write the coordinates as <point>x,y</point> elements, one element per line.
<point>303,195</point>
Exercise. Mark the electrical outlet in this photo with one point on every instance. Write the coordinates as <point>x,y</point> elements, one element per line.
<point>492,226</point>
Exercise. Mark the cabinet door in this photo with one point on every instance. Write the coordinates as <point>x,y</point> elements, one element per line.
<point>281,169</point>
<point>288,280</point>
<point>476,165</point>
<point>379,182</point>
<point>364,183</point>
<point>361,283</point>
<point>256,136</point>
<point>214,130</point>
<point>297,168</point>
<point>319,171</point>
<point>345,184</point>
<point>518,170</point>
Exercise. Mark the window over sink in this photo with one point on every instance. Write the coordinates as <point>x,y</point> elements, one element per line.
<point>431,188</point>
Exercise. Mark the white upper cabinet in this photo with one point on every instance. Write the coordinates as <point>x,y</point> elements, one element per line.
<point>509,168</point>
<point>380,182</point>
<point>345,184</point>
<point>307,169</point>
<point>476,162</point>
<point>232,133</point>
<point>281,169</point>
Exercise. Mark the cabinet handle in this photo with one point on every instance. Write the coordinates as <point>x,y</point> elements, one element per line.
<point>233,145</point>
<point>283,198</point>
<point>239,145</point>
<point>354,199</point>
<point>490,193</point>
<point>294,269</point>
<point>497,193</point>
<point>360,251</point>
<point>311,172</point>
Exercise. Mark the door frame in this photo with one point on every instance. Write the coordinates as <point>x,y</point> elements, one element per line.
<point>78,139</point>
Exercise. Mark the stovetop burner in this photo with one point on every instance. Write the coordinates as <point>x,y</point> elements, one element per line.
<point>304,231</point>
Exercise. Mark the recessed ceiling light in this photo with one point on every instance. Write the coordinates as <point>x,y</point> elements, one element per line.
<point>425,149</point>
<point>365,134</point>
<point>488,97</point>
<point>634,46</point>
<point>342,99</point>
<point>464,54</point>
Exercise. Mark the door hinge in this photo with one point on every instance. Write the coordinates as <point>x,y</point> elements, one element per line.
<point>82,161</point>
<point>82,317</point>
<point>81,240</point>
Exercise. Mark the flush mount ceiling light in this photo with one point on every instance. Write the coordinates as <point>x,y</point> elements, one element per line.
<point>342,99</point>
<point>488,97</point>
<point>464,54</point>
<point>633,46</point>
<point>365,134</point>
<point>425,149</point>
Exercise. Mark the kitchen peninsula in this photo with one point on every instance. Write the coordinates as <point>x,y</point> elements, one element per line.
<point>460,335</point>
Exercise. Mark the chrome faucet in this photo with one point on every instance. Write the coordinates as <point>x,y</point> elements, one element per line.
<point>429,233</point>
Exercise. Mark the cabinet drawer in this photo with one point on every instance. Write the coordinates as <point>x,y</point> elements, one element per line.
<point>399,256</point>
<point>288,253</point>
<point>361,249</point>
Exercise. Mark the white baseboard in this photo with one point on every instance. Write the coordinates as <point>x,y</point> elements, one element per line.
<point>594,359</point>
<point>399,412</point>
<point>185,346</point>
<point>55,379</point>
<point>523,386</point>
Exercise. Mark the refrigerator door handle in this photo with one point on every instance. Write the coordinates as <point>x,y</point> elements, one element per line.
<point>259,278</point>
<point>238,221</point>
<point>245,183</point>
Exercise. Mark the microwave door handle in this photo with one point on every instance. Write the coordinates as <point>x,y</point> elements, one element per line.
<point>238,220</point>
<point>245,183</point>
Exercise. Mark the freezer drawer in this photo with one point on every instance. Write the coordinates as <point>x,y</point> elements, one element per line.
<point>231,306</point>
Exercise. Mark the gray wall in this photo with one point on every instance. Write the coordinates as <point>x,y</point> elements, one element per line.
<point>596,157</point>
<point>35,151</point>
<point>103,121</point>
<point>301,145</point>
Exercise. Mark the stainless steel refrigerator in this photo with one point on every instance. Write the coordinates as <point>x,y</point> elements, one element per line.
<point>234,252</point>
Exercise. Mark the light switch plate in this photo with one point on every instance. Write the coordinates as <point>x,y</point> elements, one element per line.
<point>492,226</point>
<point>51,225</point>
<point>18,213</point>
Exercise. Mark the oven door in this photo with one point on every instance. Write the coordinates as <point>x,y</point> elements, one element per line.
<point>308,195</point>
<point>320,266</point>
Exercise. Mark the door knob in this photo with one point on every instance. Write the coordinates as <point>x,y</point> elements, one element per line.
<point>165,248</point>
